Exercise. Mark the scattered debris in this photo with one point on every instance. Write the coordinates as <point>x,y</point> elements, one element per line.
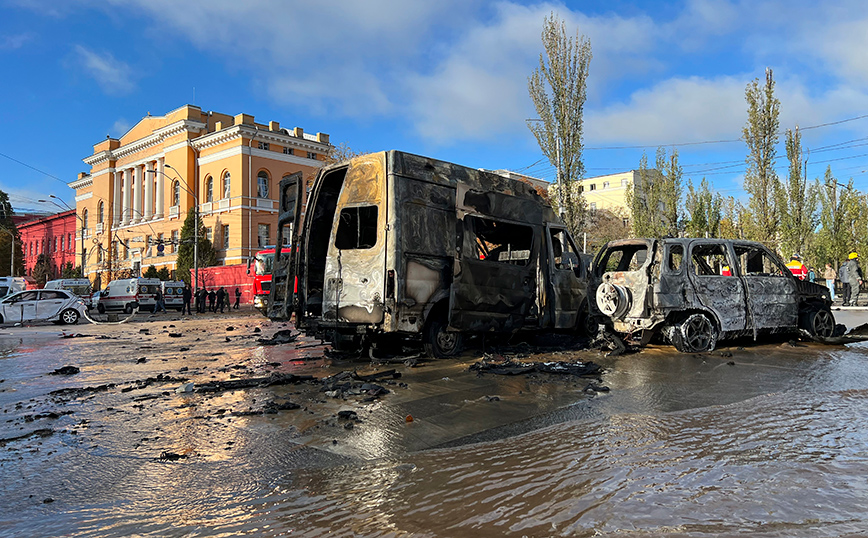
<point>171,456</point>
<point>175,335</point>
<point>66,370</point>
<point>186,387</point>
<point>284,336</point>
<point>511,367</point>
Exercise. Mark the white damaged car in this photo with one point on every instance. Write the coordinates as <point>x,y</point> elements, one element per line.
<point>58,306</point>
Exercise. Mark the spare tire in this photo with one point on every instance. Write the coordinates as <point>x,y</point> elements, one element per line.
<point>613,300</point>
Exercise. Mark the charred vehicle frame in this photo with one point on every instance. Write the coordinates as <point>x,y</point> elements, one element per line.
<point>395,244</point>
<point>696,291</point>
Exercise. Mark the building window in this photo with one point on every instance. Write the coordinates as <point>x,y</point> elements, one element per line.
<point>175,241</point>
<point>311,155</point>
<point>209,234</point>
<point>61,243</point>
<point>98,254</point>
<point>176,193</point>
<point>592,187</point>
<point>100,208</point>
<point>264,145</point>
<point>84,219</point>
<point>209,189</point>
<point>55,244</point>
<point>225,236</point>
<point>227,191</point>
<point>605,184</point>
<point>287,151</point>
<point>264,235</point>
<point>262,184</point>
<point>69,241</point>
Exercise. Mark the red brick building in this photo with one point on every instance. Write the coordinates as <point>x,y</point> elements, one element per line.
<point>53,235</point>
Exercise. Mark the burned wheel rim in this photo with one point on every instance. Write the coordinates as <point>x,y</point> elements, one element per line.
<point>612,300</point>
<point>447,342</point>
<point>699,333</point>
<point>823,323</point>
<point>439,342</point>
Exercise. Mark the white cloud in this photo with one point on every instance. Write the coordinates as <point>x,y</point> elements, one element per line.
<point>120,127</point>
<point>113,76</point>
<point>14,42</point>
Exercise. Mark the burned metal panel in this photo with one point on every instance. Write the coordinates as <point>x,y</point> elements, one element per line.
<point>355,263</point>
<point>671,291</point>
<point>567,277</point>
<point>282,300</point>
<point>426,280</point>
<point>716,286</point>
<point>494,289</point>
<point>773,298</point>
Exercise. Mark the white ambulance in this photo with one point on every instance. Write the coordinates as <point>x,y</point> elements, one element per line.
<point>128,294</point>
<point>173,294</point>
<point>79,286</point>
<point>11,284</point>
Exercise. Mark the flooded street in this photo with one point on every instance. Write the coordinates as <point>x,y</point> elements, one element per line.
<point>765,440</point>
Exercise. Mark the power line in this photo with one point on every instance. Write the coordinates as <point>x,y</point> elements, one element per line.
<point>34,168</point>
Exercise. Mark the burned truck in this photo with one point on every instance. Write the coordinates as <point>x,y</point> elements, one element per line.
<point>395,245</point>
<point>693,292</point>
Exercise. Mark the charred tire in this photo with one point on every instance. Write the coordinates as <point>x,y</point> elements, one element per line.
<point>69,316</point>
<point>695,334</point>
<point>100,308</point>
<point>819,323</point>
<point>440,343</point>
<point>613,300</point>
<point>586,325</point>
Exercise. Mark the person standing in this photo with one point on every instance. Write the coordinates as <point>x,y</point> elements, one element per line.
<point>854,276</point>
<point>158,301</point>
<point>796,266</point>
<point>201,297</point>
<point>212,295</point>
<point>845,284</point>
<point>187,296</point>
<point>237,298</point>
<point>829,275</point>
<point>221,300</point>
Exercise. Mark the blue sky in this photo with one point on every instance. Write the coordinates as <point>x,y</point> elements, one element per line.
<point>446,79</point>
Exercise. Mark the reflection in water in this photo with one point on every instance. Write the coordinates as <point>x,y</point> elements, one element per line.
<point>684,445</point>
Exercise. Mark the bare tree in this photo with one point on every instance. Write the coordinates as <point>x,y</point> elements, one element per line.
<point>558,88</point>
<point>760,180</point>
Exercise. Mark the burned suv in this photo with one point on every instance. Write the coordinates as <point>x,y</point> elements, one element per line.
<point>693,292</point>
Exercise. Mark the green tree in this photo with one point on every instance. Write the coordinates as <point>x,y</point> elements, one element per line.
<point>839,212</point>
<point>185,261</point>
<point>150,272</point>
<point>704,210</point>
<point>797,200</point>
<point>558,89</point>
<point>760,180</point>
<point>655,197</point>
<point>8,234</point>
<point>70,271</point>
<point>163,273</point>
<point>43,270</point>
<point>732,218</point>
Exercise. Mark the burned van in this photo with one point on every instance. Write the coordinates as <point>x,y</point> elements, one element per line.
<point>397,244</point>
<point>696,291</point>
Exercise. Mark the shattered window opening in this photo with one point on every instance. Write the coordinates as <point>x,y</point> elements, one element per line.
<point>754,261</point>
<point>357,228</point>
<point>564,252</point>
<point>675,258</point>
<point>500,241</point>
<point>710,260</point>
<point>626,258</point>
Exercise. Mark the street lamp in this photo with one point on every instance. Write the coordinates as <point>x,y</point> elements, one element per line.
<point>195,218</point>
<point>74,212</point>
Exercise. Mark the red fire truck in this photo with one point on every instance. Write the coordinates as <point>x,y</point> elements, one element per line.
<point>263,263</point>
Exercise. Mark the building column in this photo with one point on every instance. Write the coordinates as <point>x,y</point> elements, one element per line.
<point>149,190</point>
<point>161,190</point>
<point>137,194</point>
<point>128,185</point>
<point>117,200</point>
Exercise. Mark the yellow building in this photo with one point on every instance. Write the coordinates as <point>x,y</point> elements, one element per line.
<point>140,188</point>
<point>608,192</point>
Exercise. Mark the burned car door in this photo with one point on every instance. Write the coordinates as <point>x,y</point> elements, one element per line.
<point>716,286</point>
<point>568,279</point>
<point>771,288</point>
<point>623,285</point>
<point>283,275</point>
<point>355,263</point>
<point>494,278</point>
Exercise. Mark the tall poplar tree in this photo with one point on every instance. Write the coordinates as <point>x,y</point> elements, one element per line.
<point>558,89</point>
<point>760,180</point>
<point>654,198</point>
<point>797,200</point>
<point>185,261</point>
<point>839,208</point>
<point>704,210</point>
